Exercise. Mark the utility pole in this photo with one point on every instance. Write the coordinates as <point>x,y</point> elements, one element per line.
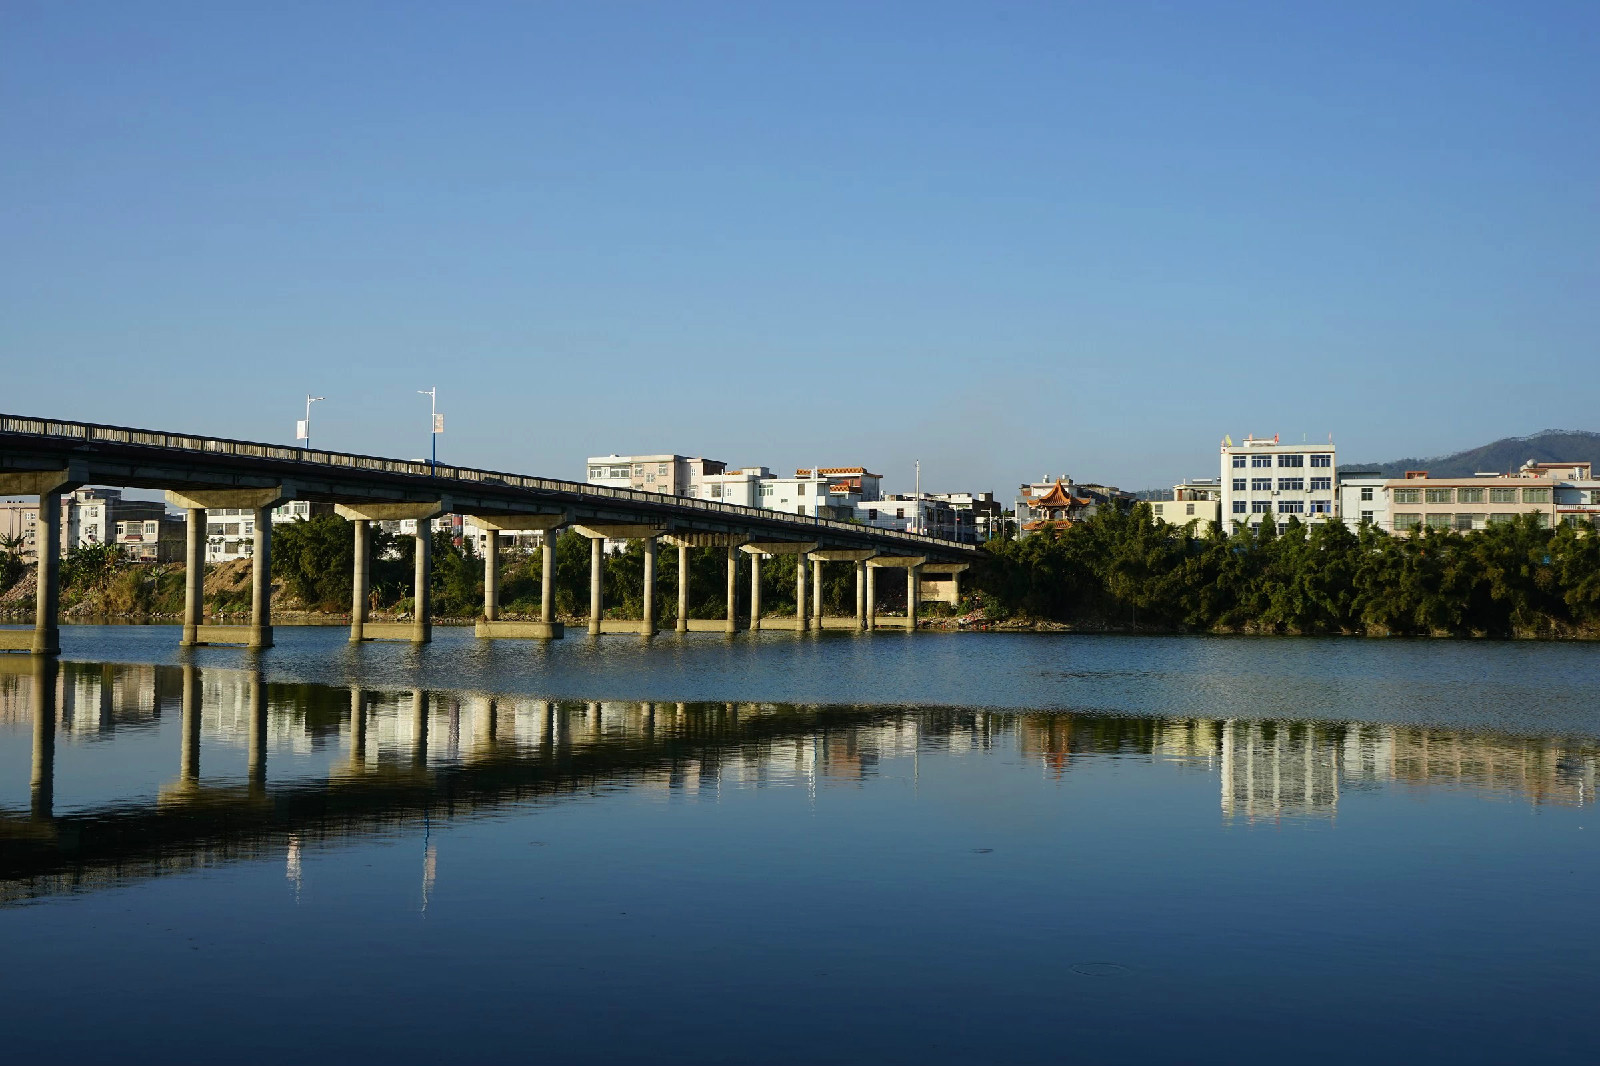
<point>302,431</point>
<point>435,425</point>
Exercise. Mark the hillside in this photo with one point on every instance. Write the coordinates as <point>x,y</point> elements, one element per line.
<point>1505,455</point>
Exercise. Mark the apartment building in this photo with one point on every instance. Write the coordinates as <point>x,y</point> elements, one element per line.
<point>821,492</point>
<point>1198,500</point>
<point>89,516</point>
<point>1362,499</point>
<point>1467,503</point>
<point>668,474</point>
<point>153,540</point>
<point>231,531</point>
<point>987,514</point>
<point>1266,480</point>
<point>741,487</point>
<point>921,513</point>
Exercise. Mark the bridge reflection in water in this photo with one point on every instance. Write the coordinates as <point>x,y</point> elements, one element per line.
<point>360,762</point>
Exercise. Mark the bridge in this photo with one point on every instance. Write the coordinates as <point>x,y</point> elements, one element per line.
<point>47,458</point>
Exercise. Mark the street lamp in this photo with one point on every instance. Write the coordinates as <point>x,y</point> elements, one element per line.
<point>436,425</point>
<point>302,429</point>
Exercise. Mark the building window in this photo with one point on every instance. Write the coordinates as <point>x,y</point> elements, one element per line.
<point>1575,520</point>
<point>1291,460</point>
<point>1260,506</point>
<point>899,512</point>
<point>764,490</point>
<point>1469,521</point>
<point>1238,506</point>
<point>716,492</point>
<point>1407,495</point>
<point>1261,484</point>
<point>1440,521</point>
<point>1260,460</point>
<point>1188,508</point>
<point>661,468</point>
<point>1157,508</point>
<point>1438,495</point>
<point>1238,461</point>
<point>1321,507</point>
<point>1501,519</point>
<point>872,514</point>
<point>1291,484</point>
<point>1469,495</point>
<point>1366,493</point>
<point>1321,484</point>
<point>1366,518</point>
<point>1407,521</point>
<point>650,479</point>
<point>1502,495</point>
<point>1322,461</point>
<point>1535,495</point>
<point>1291,506</point>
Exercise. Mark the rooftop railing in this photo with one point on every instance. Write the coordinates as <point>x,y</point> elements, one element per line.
<point>93,433</point>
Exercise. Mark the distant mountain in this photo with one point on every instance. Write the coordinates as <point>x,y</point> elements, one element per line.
<point>1503,456</point>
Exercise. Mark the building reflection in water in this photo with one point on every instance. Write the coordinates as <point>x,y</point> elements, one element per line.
<point>358,761</point>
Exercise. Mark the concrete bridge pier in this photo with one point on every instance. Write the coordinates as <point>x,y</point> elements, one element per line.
<point>259,502</point>
<point>871,597</point>
<point>859,557</point>
<point>682,625</point>
<point>733,578</point>
<point>596,584</point>
<point>647,624</point>
<point>817,560</point>
<point>912,564</point>
<point>490,625</point>
<point>361,516</point>
<point>48,485</point>
<point>361,580</point>
<point>802,618</point>
<point>755,590</point>
<point>194,575</point>
<point>600,532</point>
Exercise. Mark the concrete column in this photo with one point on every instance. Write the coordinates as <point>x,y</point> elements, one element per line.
<point>683,588</point>
<point>360,580</point>
<point>733,575</point>
<point>955,589</point>
<point>755,590</point>
<point>257,762</point>
<point>861,594</point>
<point>913,580</point>
<point>802,618</point>
<point>47,596</point>
<point>816,591</point>
<point>872,596</point>
<point>422,595</point>
<point>189,757</point>
<point>261,581</point>
<point>596,584</point>
<point>647,624</point>
<point>547,579</point>
<point>42,784</point>
<point>491,576</point>
<point>194,576</point>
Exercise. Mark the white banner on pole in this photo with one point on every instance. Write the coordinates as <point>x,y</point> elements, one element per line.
<point>302,429</point>
<point>438,423</point>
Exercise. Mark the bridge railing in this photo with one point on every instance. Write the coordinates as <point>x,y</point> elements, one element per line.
<point>90,432</point>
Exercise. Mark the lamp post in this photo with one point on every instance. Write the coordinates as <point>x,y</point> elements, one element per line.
<point>303,430</point>
<point>435,424</point>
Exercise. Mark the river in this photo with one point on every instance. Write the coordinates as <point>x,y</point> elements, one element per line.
<point>781,848</point>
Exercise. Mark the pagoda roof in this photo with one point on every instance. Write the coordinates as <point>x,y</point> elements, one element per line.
<point>1056,497</point>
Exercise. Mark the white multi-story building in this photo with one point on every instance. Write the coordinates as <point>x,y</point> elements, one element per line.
<point>231,531</point>
<point>1362,499</point>
<point>742,486</point>
<point>1198,501</point>
<point>668,474</point>
<point>821,492</point>
<point>1265,480</point>
<point>919,513</point>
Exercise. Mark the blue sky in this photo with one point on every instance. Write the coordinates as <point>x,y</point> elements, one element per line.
<point>1006,239</point>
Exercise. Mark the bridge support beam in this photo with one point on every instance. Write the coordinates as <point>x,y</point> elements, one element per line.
<point>259,502</point>
<point>859,557</point>
<point>647,624</point>
<point>420,630</point>
<point>816,590</point>
<point>682,625</point>
<point>596,584</point>
<point>733,577</point>
<point>361,580</point>
<point>755,590</point>
<point>194,575</point>
<point>802,617</point>
<point>871,608</point>
<point>48,485</point>
<point>490,625</point>
<point>913,580</point>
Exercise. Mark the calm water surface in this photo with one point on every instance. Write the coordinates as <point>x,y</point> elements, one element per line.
<point>834,848</point>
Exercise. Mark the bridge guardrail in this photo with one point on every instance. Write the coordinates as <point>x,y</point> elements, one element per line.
<point>90,432</point>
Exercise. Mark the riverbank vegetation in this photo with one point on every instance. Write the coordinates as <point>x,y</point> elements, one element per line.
<point>1126,570</point>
